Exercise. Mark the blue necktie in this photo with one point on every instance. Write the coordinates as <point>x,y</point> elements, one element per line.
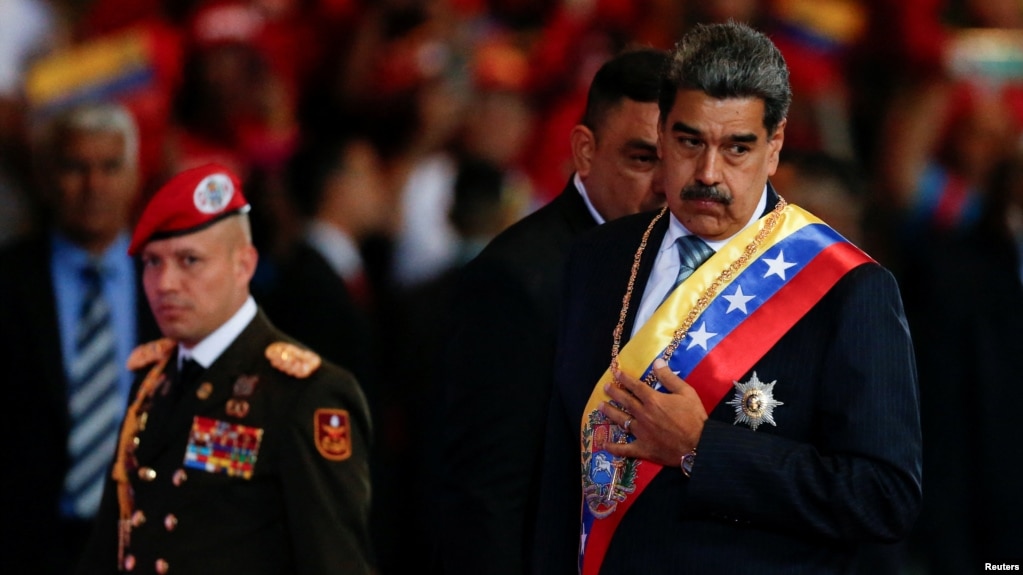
<point>692,252</point>
<point>94,402</point>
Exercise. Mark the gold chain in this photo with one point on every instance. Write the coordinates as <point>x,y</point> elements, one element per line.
<point>704,299</point>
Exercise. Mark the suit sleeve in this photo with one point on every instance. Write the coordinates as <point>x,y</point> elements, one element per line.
<point>327,500</point>
<point>100,554</point>
<point>860,479</point>
<point>496,383</point>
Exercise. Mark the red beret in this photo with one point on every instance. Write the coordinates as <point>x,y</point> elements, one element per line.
<point>192,200</point>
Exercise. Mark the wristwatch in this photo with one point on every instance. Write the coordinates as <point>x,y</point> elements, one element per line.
<point>687,462</point>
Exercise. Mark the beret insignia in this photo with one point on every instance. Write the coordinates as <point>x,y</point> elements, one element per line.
<point>292,360</point>
<point>150,353</point>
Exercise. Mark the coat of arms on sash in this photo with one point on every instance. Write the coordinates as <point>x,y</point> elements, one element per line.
<point>607,480</point>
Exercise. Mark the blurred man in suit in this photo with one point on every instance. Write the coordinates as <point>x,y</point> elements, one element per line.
<point>70,314</point>
<point>735,389</point>
<point>497,371</point>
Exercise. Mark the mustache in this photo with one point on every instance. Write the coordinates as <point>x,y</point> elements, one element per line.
<point>170,300</point>
<point>702,192</point>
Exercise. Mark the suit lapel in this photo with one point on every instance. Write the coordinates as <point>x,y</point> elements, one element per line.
<point>646,264</point>
<point>572,207</point>
<point>40,304</point>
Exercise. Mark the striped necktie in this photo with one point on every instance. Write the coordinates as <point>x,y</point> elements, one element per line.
<point>692,252</point>
<point>94,402</point>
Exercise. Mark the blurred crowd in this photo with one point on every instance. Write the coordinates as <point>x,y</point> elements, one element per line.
<point>407,133</point>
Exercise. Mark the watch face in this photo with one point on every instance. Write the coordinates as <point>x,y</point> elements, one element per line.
<point>687,463</point>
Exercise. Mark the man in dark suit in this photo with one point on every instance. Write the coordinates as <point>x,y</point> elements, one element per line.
<point>87,160</point>
<point>241,452</point>
<point>497,371</point>
<point>760,413</point>
<point>969,355</point>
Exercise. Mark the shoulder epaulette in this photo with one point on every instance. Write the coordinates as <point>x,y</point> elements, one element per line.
<point>149,353</point>
<point>293,360</point>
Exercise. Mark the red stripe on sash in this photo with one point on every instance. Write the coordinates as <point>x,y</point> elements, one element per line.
<point>712,378</point>
<point>600,535</point>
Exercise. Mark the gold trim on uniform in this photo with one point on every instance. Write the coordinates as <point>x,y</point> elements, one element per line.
<point>292,360</point>
<point>149,353</point>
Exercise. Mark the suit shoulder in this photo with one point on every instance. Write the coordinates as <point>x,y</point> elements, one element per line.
<point>614,236</point>
<point>22,252</point>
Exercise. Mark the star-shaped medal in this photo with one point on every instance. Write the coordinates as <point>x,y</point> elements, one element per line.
<point>754,402</point>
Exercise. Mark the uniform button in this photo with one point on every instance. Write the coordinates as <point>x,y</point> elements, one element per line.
<point>138,518</point>
<point>179,477</point>
<point>162,566</point>
<point>170,522</point>
<point>129,562</point>
<point>147,473</point>
<point>136,440</point>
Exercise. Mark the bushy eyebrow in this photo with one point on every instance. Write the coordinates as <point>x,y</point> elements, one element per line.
<point>682,127</point>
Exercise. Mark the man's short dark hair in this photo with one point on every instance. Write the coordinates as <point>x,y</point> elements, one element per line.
<point>729,60</point>
<point>634,74</point>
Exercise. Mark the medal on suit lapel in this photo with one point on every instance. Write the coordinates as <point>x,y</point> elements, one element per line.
<point>754,402</point>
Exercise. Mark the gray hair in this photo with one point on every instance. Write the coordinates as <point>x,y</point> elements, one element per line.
<point>102,117</point>
<point>729,60</point>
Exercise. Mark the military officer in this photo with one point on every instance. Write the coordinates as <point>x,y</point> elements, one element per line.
<point>241,451</point>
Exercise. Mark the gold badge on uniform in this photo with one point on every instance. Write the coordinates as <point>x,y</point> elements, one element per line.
<point>204,391</point>
<point>332,432</point>
<point>292,360</point>
<point>244,387</point>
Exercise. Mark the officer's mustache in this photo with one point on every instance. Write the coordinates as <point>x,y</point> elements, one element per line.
<point>702,192</point>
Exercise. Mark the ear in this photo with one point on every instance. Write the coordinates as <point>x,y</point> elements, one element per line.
<point>774,147</point>
<point>248,257</point>
<point>584,144</point>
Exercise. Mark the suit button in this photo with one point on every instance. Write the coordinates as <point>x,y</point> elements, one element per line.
<point>136,441</point>
<point>129,562</point>
<point>179,477</point>
<point>162,566</point>
<point>138,518</point>
<point>170,522</point>
<point>147,473</point>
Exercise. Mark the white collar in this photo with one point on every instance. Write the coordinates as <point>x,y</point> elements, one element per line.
<point>586,198</point>
<point>209,349</point>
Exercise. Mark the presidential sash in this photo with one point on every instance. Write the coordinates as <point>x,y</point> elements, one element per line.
<point>737,305</point>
